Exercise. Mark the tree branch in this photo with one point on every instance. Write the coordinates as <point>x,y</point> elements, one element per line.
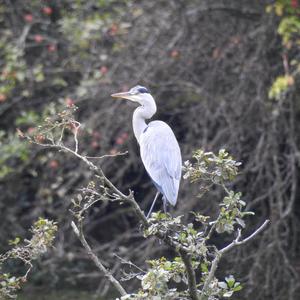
<point>237,241</point>
<point>219,254</point>
<point>98,171</point>
<point>190,274</point>
<point>141,217</point>
<point>79,233</point>
<point>181,249</point>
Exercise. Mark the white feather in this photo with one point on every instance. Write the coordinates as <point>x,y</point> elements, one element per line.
<point>161,156</point>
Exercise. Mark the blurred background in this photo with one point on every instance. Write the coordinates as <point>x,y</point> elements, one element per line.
<point>225,74</point>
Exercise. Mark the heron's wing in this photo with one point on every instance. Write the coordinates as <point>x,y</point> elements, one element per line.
<point>161,156</point>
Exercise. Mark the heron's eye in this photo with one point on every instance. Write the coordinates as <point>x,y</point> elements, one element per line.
<point>143,90</point>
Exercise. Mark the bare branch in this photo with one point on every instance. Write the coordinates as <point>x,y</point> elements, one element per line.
<point>237,241</point>
<point>79,233</point>
<point>128,199</point>
<point>219,254</point>
<point>127,262</point>
<point>107,155</point>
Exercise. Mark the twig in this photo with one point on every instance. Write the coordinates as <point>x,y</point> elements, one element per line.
<point>95,259</point>
<point>75,133</point>
<point>28,271</point>
<point>128,199</point>
<point>213,227</point>
<point>21,41</point>
<point>219,254</point>
<point>126,262</point>
<point>237,241</point>
<point>108,155</point>
<point>190,275</point>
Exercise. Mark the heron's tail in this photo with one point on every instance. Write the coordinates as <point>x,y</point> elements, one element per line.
<point>170,190</point>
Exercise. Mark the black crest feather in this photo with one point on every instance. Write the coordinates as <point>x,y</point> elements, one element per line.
<point>142,90</point>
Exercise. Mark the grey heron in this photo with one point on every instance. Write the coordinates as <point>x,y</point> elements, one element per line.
<point>159,148</point>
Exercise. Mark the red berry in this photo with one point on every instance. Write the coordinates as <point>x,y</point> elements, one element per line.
<point>174,53</point>
<point>113,29</point>
<point>28,18</point>
<point>119,141</point>
<point>2,98</point>
<point>53,164</point>
<point>52,48</point>
<point>30,130</point>
<point>95,144</point>
<point>47,10</point>
<point>69,102</point>
<point>39,138</point>
<point>294,3</point>
<point>124,135</point>
<point>103,70</point>
<point>38,38</point>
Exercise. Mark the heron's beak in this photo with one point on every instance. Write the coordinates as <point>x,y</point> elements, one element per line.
<point>125,95</point>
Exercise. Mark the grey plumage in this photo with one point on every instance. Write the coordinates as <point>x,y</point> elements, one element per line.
<point>159,148</point>
<point>162,159</point>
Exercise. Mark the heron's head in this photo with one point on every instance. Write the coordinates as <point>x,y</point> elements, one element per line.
<point>138,94</point>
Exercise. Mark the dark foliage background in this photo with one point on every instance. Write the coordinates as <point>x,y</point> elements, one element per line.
<point>210,66</point>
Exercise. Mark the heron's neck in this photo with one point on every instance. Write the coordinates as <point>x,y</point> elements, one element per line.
<point>140,115</point>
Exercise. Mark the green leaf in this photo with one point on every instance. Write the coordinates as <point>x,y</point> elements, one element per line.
<point>204,268</point>
<point>16,241</point>
<point>230,281</point>
<point>237,288</point>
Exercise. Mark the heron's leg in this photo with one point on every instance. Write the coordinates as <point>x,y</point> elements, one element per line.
<point>165,205</point>
<point>153,203</point>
